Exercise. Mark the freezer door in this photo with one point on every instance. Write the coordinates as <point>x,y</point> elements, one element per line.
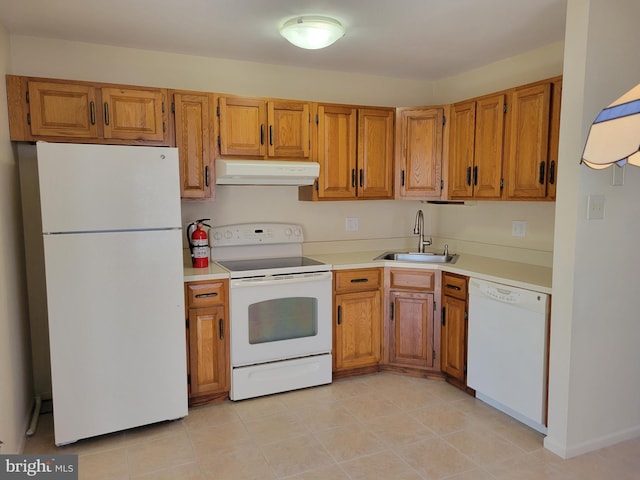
<point>107,187</point>
<point>117,331</point>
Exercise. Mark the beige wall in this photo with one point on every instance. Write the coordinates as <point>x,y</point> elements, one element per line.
<point>15,364</point>
<point>594,386</point>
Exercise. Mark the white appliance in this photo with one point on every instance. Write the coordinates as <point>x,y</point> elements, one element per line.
<point>103,244</point>
<point>507,350</point>
<point>280,309</point>
<point>266,172</point>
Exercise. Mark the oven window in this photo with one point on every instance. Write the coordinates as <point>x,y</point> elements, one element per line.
<point>283,319</point>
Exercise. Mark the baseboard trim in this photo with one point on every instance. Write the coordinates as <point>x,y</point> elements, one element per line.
<point>569,451</point>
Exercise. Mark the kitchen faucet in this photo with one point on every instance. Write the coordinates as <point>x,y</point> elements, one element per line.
<point>418,229</point>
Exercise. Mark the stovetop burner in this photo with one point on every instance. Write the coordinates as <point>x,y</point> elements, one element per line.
<point>268,263</point>
<point>264,249</point>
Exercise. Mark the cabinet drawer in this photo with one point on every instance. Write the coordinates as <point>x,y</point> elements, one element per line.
<point>205,294</point>
<point>358,280</point>
<point>454,286</point>
<point>412,279</point>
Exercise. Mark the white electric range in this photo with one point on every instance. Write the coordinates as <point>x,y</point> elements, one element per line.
<point>280,309</point>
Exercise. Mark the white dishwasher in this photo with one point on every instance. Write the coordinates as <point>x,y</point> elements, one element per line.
<point>507,350</point>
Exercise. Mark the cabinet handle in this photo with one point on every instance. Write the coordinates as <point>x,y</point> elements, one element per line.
<point>468,176</point>
<point>361,178</point>
<point>92,111</point>
<point>359,280</point>
<point>353,177</point>
<point>552,172</point>
<point>339,315</point>
<point>402,178</point>
<point>475,176</point>
<point>262,134</point>
<point>221,328</point>
<point>444,316</point>
<point>392,310</point>
<point>452,287</point>
<point>271,135</point>
<point>541,176</point>
<point>106,113</point>
<point>206,176</point>
<point>206,295</point>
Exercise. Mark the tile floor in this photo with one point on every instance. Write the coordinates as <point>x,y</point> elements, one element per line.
<point>378,426</point>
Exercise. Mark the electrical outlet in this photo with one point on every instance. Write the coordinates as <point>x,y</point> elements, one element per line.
<point>351,224</point>
<point>518,228</point>
<point>595,207</point>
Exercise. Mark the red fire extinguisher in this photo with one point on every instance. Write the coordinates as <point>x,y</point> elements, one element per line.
<point>198,244</point>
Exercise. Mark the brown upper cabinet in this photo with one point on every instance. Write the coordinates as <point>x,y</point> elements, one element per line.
<point>355,152</point>
<point>530,167</point>
<point>419,141</point>
<point>62,110</point>
<point>476,148</point>
<point>259,128</point>
<point>504,146</point>
<point>193,114</point>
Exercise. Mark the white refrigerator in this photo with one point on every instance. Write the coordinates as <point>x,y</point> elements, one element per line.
<point>103,245</point>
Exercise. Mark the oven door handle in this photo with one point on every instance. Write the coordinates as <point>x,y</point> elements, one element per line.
<point>280,279</point>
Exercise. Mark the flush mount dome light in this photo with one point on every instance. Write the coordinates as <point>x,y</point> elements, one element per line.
<point>312,33</point>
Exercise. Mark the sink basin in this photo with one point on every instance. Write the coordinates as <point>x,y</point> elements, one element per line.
<point>418,257</point>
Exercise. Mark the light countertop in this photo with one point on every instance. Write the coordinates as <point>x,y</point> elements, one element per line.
<point>516,274</point>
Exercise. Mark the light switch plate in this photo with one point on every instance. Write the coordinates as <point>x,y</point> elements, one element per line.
<point>595,207</point>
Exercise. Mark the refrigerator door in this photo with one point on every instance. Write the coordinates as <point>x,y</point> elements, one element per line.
<point>107,187</point>
<point>116,325</point>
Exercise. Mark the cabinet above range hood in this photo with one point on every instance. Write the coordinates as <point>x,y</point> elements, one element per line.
<point>265,172</point>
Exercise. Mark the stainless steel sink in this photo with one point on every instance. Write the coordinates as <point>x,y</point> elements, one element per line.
<point>418,257</point>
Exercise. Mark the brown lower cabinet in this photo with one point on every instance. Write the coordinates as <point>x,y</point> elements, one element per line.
<point>412,341</point>
<point>357,321</point>
<point>207,336</point>
<point>454,328</point>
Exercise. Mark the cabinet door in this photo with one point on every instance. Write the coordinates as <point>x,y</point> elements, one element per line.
<point>193,116</point>
<point>132,114</point>
<point>461,152</point>
<point>242,126</point>
<point>421,152</point>
<point>357,330</point>
<point>488,151</point>
<point>527,163</point>
<point>62,110</point>
<point>207,350</point>
<point>288,129</point>
<point>554,138</point>
<point>411,339</point>
<point>453,337</point>
<point>337,151</point>
<point>375,153</point>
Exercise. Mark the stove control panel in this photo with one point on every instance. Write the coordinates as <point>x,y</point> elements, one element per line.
<point>255,234</point>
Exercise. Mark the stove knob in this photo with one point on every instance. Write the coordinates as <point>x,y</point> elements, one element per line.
<point>217,236</point>
<point>228,234</point>
<point>297,232</point>
<point>288,232</point>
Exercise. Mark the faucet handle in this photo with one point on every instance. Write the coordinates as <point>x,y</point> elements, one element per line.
<point>446,249</point>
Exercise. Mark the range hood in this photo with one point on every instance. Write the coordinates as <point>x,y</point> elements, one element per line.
<point>265,172</point>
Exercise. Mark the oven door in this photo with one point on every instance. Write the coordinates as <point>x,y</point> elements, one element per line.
<point>280,317</point>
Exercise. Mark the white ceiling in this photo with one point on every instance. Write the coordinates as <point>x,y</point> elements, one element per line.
<point>420,39</point>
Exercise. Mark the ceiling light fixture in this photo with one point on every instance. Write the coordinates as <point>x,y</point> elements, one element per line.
<point>312,33</point>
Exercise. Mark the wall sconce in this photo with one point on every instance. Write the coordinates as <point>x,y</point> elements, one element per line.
<point>312,33</point>
<point>614,137</point>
